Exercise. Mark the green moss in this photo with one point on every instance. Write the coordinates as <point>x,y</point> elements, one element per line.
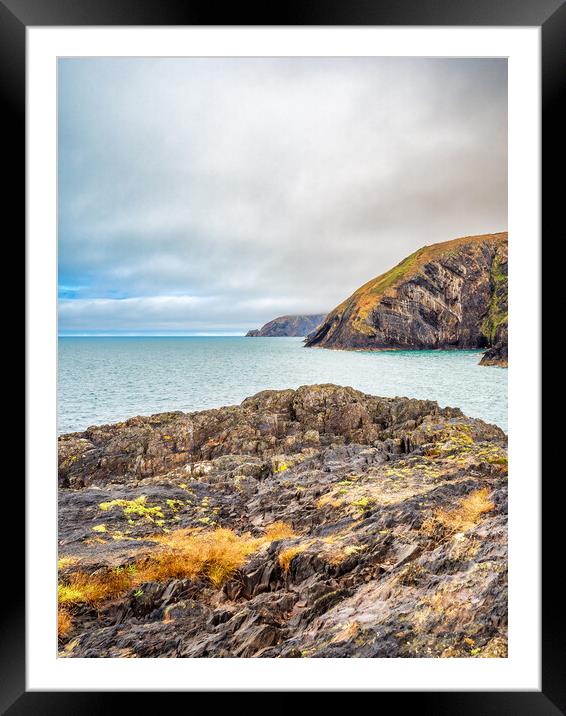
<point>69,461</point>
<point>497,311</point>
<point>363,502</point>
<point>174,504</point>
<point>135,508</point>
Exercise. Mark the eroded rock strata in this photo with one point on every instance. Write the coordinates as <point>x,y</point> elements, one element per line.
<point>318,522</point>
<point>444,296</point>
<point>288,326</point>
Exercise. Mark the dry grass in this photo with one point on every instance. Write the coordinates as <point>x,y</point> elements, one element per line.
<point>337,557</point>
<point>468,512</point>
<point>278,531</point>
<point>215,555</point>
<point>287,555</point>
<point>64,623</point>
<point>65,562</point>
<point>328,500</point>
<point>182,554</point>
<point>81,588</point>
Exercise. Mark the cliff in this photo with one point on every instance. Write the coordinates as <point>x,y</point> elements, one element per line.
<point>317,522</point>
<point>288,326</point>
<point>448,295</point>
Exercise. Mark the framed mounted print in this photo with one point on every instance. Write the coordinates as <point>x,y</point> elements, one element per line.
<point>283,352</point>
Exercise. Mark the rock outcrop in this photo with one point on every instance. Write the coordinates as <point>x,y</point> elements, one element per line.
<point>312,522</point>
<point>497,355</point>
<point>288,326</point>
<point>448,295</point>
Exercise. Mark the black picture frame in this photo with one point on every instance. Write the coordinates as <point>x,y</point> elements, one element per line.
<point>550,15</point>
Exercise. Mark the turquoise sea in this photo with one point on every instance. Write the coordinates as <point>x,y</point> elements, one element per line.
<point>103,380</point>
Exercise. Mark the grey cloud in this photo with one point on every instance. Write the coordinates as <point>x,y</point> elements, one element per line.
<point>264,186</point>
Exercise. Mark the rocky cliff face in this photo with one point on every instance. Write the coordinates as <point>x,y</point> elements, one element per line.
<point>449,295</point>
<point>313,522</point>
<point>494,325</point>
<point>288,326</point>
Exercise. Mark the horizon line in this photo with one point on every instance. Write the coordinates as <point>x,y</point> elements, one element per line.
<point>150,335</point>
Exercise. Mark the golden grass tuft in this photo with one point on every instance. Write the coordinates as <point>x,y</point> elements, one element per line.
<point>337,557</point>
<point>287,555</point>
<point>65,562</point>
<point>64,623</point>
<point>468,513</point>
<point>81,588</point>
<point>278,531</point>
<point>215,555</point>
<point>183,554</point>
<point>328,500</point>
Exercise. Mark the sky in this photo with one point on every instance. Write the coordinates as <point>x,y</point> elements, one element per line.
<point>210,195</point>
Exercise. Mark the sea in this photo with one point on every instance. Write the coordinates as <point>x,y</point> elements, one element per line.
<point>109,379</point>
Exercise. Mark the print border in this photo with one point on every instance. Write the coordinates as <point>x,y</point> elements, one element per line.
<point>17,15</point>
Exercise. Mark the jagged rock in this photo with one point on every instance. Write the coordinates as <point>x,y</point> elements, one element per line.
<point>496,355</point>
<point>143,447</point>
<point>389,557</point>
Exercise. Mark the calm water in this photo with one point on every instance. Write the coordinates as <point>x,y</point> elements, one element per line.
<point>104,380</point>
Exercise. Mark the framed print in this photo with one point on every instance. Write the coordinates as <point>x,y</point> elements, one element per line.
<point>283,313</point>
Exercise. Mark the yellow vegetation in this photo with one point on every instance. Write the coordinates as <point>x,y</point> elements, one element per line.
<point>363,502</point>
<point>468,513</point>
<point>65,562</point>
<point>182,554</point>
<point>279,530</point>
<point>328,500</point>
<point>64,623</point>
<point>137,507</point>
<point>287,555</point>
<point>81,588</point>
<point>215,555</point>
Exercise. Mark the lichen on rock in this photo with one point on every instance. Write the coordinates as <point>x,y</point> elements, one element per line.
<point>378,531</point>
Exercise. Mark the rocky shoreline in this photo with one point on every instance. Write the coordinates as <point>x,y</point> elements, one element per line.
<point>496,355</point>
<point>317,522</point>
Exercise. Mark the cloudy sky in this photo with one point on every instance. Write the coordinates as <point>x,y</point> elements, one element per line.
<point>211,195</point>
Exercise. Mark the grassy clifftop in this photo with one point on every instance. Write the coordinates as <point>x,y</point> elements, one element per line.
<point>450,294</point>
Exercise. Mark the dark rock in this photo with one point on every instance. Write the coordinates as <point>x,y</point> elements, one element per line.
<point>381,563</point>
<point>445,296</point>
<point>288,326</point>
